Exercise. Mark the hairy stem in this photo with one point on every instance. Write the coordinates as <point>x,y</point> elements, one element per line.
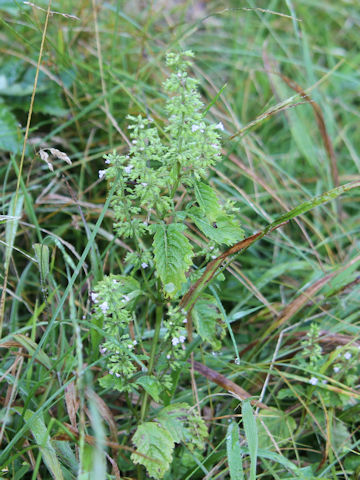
<point>145,402</point>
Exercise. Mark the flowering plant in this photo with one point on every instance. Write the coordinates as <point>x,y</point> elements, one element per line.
<point>161,192</point>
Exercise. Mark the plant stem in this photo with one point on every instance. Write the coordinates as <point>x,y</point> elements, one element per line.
<point>145,402</point>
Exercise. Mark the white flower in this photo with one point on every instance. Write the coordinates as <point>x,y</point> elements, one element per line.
<point>336,369</point>
<point>220,126</point>
<point>185,320</point>
<point>237,361</point>
<point>94,296</point>
<point>134,342</point>
<point>104,307</point>
<point>134,142</point>
<point>117,375</point>
<point>126,298</point>
<point>168,356</point>
<point>175,341</point>
<point>182,339</point>
<point>102,350</point>
<point>144,184</point>
<point>347,355</point>
<point>215,145</point>
<point>107,161</point>
<point>194,128</point>
<point>130,346</point>
<point>128,168</point>
<point>324,382</point>
<point>101,173</point>
<point>313,381</point>
<point>144,265</point>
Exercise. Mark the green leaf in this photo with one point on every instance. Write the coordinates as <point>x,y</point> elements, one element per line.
<point>183,424</point>
<point>225,230</point>
<point>279,424</point>
<point>251,435</point>
<point>157,445</point>
<point>11,138</point>
<point>301,473</point>
<point>208,201</point>
<point>206,317</point>
<point>234,453</point>
<point>151,385</point>
<point>43,258</point>
<point>173,256</point>
<point>310,204</point>
<point>36,424</point>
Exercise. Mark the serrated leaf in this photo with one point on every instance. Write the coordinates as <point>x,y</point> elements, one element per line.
<point>208,201</point>
<point>151,385</point>
<point>172,419</point>
<point>206,318</point>
<point>172,254</point>
<point>225,230</point>
<point>184,425</point>
<point>251,435</point>
<point>157,445</point>
<point>234,453</point>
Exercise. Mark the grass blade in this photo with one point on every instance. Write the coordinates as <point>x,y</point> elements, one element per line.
<point>251,436</point>
<point>234,452</point>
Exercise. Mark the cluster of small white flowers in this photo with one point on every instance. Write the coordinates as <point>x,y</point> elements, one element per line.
<point>125,299</point>
<point>102,350</point>
<point>101,173</point>
<point>175,341</point>
<point>144,184</point>
<point>132,345</point>
<point>336,369</point>
<point>94,296</point>
<point>128,169</point>
<point>220,126</point>
<point>313,381</point>
<point>104,307</point>
<point>144,264</point>
<point>194,128</point>
<point>347,355</point>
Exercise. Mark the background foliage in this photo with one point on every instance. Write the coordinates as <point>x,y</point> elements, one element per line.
<point>283,78</point>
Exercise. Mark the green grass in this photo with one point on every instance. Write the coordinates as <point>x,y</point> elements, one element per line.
<point>95,70</point>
